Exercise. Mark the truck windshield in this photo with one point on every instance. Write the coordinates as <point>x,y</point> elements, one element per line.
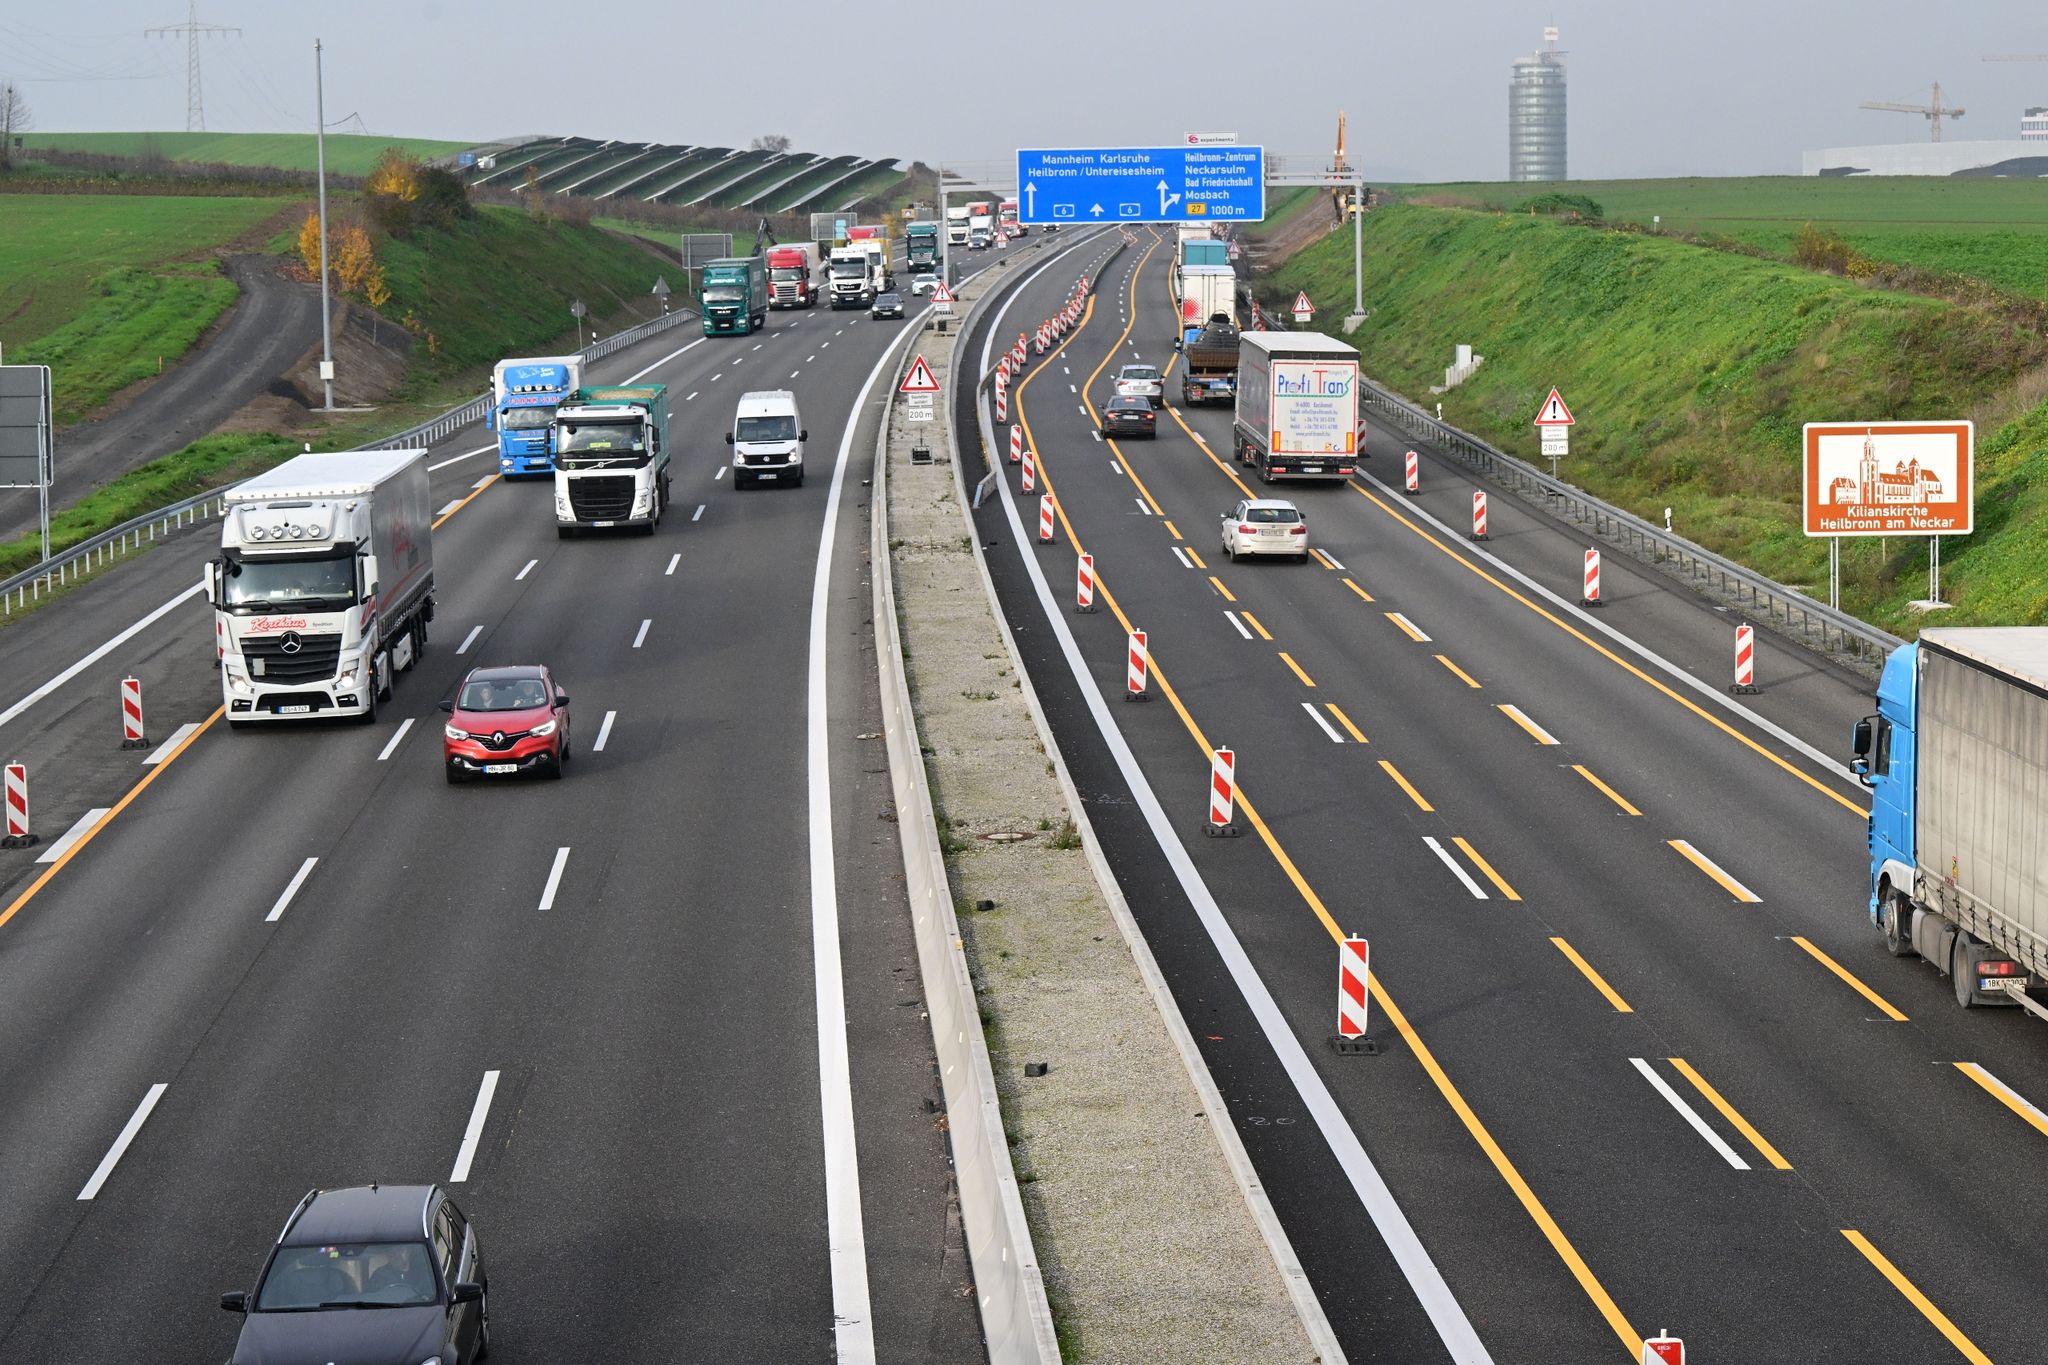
<point>778,428</point>
<point>596,445</point>
<point>253,585</point>
<point>788,272</point>
<point>721,294</point>
<point>525,419</point>
<point>849,269</point>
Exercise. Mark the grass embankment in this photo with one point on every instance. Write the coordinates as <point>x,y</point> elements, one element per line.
<point>347,153</point>
<point>1690,372</point>
<point>1995,230</point>
<point>98,287</point>
<point>671,238</point>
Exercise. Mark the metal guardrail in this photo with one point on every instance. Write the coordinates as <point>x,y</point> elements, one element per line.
<point>90,556</point>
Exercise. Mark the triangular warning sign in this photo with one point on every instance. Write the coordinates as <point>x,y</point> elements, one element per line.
<point>919,380</point>
<point>1301,303</point>
<point>1555,413</point>
<point>941,294</point>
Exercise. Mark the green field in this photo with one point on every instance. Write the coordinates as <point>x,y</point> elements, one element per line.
<point>1690,372</point>
<point>1995,230</point>
<point>347,153</point>
<point>669,237</point>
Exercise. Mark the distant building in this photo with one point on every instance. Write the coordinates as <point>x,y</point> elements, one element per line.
<point>2013,158</point>
<point>1536,114</point>
<point>2034,126</point>
<point>1906,484</point>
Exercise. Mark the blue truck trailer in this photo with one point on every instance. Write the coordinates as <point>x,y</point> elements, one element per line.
<point>524,396</point>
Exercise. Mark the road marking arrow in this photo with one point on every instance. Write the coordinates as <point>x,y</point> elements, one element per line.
<point>1097,210</point>
<point>1166,201</point>
<point>1030,199</point>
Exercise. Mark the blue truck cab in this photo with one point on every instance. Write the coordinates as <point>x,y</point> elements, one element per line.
<point>524,396</point>
<point>1887,762</point>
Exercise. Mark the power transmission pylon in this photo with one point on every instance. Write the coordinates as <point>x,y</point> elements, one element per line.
<point>195,105</point>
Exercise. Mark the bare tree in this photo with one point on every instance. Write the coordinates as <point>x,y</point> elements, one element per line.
<point>15,119</point>
<point>769,142</point>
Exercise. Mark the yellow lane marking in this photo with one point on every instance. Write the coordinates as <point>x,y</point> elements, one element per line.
<point>1487,868</point>
<point>1190,552</point>
<point>1175,530</point>
<point>1708,866</point>
<point>1890,1010</point>
<point>1552,1233</point>
<point>1599,981</point>
<point>112,812</point>
<point>1916,1298</point>
<point>1360,591</point>
<point>1535,731</point>
<point>1288,659</point>
<point>1611,794</point>
<point>1217,583</point>
<point>1407,627</point>
<point>464,503</point>
<point>1462,675</point>
<point>1413,795</point>
<point>1228,472</point>
<point>1322,559</point>
<point>1742,1125</point>
<point>1345,721</point>
<point>1608,654</point>
<point>2005,1095</point>
<point>1253,622</point>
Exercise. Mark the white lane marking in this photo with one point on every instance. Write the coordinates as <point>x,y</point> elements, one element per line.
<point>1317,717</point>
<point>469,639</point>
<point>1699,1125</point>
<point>758,345</point>
<point>716,377</point>
<point>474,1134</point>
<point>640,637</point>
<point>1065,370</point>
<point>604,732</point>
<point>1113,464</point>
<point>1586,620</point>
<point>809,358</point>
<point>465,455</point>
<point>693,394</point>
<point>396,739</point>
<point>1409,626</point>
<point>1142,507</point>
<point>521,575</point>
<point>823,344</point>
<point>1537,732</point>
<point>98,653</point>
<point>1081,408</point>
<point>677,557</point>
<point>480,483</point>
<point>73,835</point>
<point>719,475</point>
<point>291,888</point>
<point>177,737</point>
<point>1395,1231</point>
<point>1231,617</point>
<point>547,895</point>
<point>665,360</point>
<point>1452,863</point>
<point>737,360</point>
<point>1072,389</point>
<point>1335,563</point>
<point>794,373</point>
<point>134,1126</point>
<point>1181,555</point>
<point>449,508</point>
<point>697,515</point>
<point>1097,435</point>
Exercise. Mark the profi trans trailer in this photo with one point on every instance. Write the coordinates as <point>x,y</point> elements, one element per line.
<point>1297,406</point>
<point>324,585</point>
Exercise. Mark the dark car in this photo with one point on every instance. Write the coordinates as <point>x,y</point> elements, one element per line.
<point>504,722</point>
<point>1129,415</point>
<point>888,305</point>
<point>368,1275</point>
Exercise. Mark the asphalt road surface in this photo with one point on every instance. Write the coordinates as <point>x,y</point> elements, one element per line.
<point>1643,1063</point>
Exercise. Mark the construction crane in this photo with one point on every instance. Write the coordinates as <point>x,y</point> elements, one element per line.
<point>1339,166</point>
<point>1934,113</point>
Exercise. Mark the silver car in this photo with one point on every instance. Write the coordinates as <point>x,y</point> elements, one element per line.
<point>1141,381</point>
<point>1265,526</point>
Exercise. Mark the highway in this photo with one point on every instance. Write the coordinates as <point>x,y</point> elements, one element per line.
<point>1643,1062</point>
<point>608,1010</point>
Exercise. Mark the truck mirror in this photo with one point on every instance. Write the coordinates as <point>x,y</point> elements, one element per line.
<point>803,435</point>
<point>369,576</point>
<point>1859,740</point>
<point>490,419</point>
<point>209,579</point>
<point>728,438</point>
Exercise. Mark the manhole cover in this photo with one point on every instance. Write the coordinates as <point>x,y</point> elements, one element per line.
<point>1008,836</point>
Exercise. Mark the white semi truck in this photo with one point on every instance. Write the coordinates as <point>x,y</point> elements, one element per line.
<point>324,585</point>
<point>1297,406</point>
<point>859,271</point>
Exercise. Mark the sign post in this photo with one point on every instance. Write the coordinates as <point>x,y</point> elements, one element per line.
<point>1889,479</point>
<point>28,435</point>
<point>1555,421</point>
<point>1189,184</point>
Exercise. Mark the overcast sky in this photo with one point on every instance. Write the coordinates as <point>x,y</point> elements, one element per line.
<point>1657,87</point>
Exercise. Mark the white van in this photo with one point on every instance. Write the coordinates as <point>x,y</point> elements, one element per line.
<point>767,439</point>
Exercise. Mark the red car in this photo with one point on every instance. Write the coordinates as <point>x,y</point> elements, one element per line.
<point>504,721</point>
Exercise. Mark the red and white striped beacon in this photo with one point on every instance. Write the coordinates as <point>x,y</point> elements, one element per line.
<point>1084,584</point>
<point>1045,510</point>
<point>1016,443</point>
<point>17,835</point>
<point>131,715</point>
<point>1222,794</point>
<point>1135,668</point>
<point>1414,473</point>
<point>1479,514</point>
<point>1745,659</point>
<point>1354,957</point>
<point>1592,597</point>
<point>1663,1350</point>
<point>1030,471</point>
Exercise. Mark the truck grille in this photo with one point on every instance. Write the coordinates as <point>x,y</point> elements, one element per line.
<point>292,657</point>
<point>606,497</point>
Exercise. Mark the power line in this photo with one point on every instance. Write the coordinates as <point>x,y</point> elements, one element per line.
<point>195,106</point>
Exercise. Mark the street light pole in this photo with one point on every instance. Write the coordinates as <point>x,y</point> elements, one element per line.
<point>320,160</point>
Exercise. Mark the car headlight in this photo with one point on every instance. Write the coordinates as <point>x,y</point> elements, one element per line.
<point>454,733</point>
<point>542,730</point>
<point>431,1360</point>
<point>346,678</point>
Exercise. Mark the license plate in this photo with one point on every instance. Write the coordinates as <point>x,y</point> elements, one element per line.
<point>298,710</point>
<point>603,523</point>
<point>501,767</point>
<point>1272,533</point>
<point>765,476</point>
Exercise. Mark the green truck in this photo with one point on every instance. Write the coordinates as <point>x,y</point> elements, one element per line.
<point>921,248</point>
<point>735,296</point>
<point>611,458</point>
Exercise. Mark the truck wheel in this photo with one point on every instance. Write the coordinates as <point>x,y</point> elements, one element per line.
<point>1898,925</point>
<point>1960,973</point>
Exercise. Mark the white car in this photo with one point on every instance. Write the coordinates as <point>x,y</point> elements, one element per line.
<point>1265,526</point>
<point>922,284</point>
<point>1140,381</point>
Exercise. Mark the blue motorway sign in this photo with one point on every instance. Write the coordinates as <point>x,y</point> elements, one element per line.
<point>1141,184</point>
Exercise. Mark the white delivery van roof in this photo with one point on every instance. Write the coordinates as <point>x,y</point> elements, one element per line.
<point>766,403</point>
<point>1291,344</point>
<point>2018,651</point>
<point>345,475</point>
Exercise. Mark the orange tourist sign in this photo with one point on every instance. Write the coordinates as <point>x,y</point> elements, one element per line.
<point>1888,478</point>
